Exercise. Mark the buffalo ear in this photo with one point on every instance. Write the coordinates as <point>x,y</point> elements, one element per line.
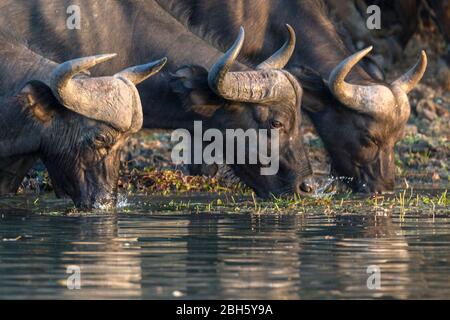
<point>373,68</point>
<point>38,97</point>
<point>315,88</point>
<point>191,84</point>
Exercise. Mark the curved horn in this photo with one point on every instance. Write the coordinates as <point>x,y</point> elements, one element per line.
<point>372,99</point>
<point>281,58</point>
<point>409,80</point>
<point>343,91</point>
<point>248,86</point>
<point>140,73</point>
<point>111,100</point>
<point>217,76</point>
<point>62,75</point>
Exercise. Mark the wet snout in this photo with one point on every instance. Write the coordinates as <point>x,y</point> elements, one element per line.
<point>298,170</point>
<point>306,186</point>
<point>369,183</point>
<point>96,193</point>
<point>375,187</point>
<point>97,200</point>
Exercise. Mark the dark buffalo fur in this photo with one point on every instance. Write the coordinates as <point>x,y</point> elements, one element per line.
<point>138,31</point>
<point>361,147</point>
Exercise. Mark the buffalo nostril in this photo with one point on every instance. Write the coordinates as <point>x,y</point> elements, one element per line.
<point>306,187</point>
<point>362,188</point>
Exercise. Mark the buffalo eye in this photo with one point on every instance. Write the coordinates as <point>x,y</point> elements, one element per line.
<point>103,141</point>
<point>276,124</point>
<point>368,152</point>
<point>368,141</point>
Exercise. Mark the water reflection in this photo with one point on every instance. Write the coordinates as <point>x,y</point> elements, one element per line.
<point>108,259</point>
<point>228,256</point>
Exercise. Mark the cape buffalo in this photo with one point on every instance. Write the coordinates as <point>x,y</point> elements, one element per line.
<point>359,117</point>
<point>137,29</point>
<point>76,124</point>
<point>359,131</point>
<point>273,97</point>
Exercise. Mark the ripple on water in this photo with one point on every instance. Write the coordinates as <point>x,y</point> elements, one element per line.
<point>211,255</point>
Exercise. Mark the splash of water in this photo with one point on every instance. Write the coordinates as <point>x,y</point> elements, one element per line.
<point>122,202</point>
<point>322,190</point>
<point>328,187</point>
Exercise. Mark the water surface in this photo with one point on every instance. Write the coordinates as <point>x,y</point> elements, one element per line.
<point>144,253</point>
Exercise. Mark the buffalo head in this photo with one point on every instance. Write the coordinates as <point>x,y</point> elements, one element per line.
<point>361,123</point>
<point>265,98</point>
<point>83,124</point>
